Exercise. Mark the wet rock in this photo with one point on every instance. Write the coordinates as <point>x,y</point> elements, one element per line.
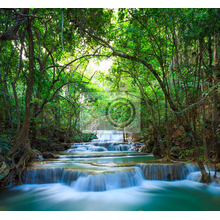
<point>216,182</point>
<point>4,170</point>
<point>35,154</point>
<point>49,155</point>
<point>175,152</point>
<point>218,167</point>
<point>59,146</point>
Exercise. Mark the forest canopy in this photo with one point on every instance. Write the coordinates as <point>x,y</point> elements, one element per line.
<point>49,57</point>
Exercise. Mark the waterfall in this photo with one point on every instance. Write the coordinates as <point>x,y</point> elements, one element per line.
<point>133,176</point>
<point>99,146</point>
<point>110,181</point>
<point>85,181</point>
<point>85,147</point>
<point>118,147</point>
<point>94,148</point>
<point>108,140</point>
<point>51,175</point>
<point>109,135</point>
<point>167,172</point>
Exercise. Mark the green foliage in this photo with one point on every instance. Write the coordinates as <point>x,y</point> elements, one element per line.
<point>84,137</point>
<point>159,51</point>
<point>6,141</point>
<point>4,144</point>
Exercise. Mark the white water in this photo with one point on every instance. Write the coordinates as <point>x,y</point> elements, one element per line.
<point>83,181</point>
<point>114,178</point>
<point>99,146</point>
<point>110,181</point>
<point>108,140</point>
<point>151,195</point>
<point>109,135</point>
<point>71,185</point>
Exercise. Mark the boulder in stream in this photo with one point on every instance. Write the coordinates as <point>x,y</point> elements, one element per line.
<point>47,155</point>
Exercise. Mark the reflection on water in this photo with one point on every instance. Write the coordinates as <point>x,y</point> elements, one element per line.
<point>115,159</point>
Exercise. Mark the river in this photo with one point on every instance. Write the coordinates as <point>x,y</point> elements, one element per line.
<point>109,175</point>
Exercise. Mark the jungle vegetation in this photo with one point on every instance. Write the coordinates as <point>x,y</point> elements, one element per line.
<point>171,56</point>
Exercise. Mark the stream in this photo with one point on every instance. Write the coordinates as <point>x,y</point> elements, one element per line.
<point>109,175</point>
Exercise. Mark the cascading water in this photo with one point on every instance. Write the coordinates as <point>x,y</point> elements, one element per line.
<point>108,141</point>
<point>86,181</point>
<point>167,172</point>
<point>100,146</point>
<point>108,135</point>
<point>83,181</point>
<point>109,181</point>
<point>111,168</point>
<point>52,175</point>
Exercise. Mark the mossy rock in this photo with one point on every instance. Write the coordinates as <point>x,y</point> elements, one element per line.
<point>218,167</point>
<point>4,170</point>
<point>35,154</point>
<point>49,155</point>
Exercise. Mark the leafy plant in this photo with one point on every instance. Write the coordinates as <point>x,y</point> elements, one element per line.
<point>4,144</point>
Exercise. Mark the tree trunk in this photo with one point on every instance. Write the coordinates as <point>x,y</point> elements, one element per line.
<point>2,121</point>
<point>204,121</point>
<point>205,176</point>
<point>124,135</point>
<point>168,133</point>
<point>17,109</point>
<point>21,152</point>
<point>4,91</point>
<point>154,123</point>
<point>14,88</point>
<point>204,102</point>
<point>215,144</point>
<point>11,33</point>
<point>33,125</point>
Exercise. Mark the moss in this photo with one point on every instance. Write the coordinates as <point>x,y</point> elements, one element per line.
<point>4,170</point>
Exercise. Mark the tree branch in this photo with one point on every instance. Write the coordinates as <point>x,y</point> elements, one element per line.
<point>54,94</point>
<point>25,15</point>
<point>11,33</point>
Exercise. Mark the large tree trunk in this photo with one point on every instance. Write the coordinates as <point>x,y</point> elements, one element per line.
<point>5,93</point>
<point>14,87</point>
<point>215,96</point>
<point>168,132</point>
<point>21,152</point>
<point>215,144</point>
